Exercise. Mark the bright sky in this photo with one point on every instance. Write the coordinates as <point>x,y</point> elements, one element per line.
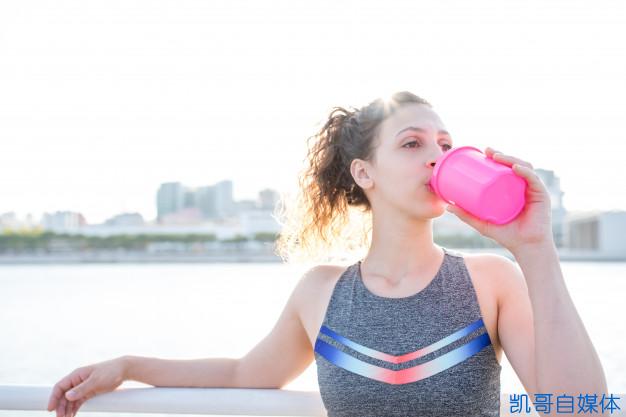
<point>101,101</point>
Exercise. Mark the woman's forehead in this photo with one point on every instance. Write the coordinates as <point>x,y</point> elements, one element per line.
<point>418,116</point>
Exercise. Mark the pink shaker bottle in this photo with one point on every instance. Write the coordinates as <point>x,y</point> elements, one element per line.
<point>487,189</point>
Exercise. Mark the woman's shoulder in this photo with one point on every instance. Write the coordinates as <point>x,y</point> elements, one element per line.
<point>491,272</point>
<point>316,283</point>
<point>494,257</point>
<point>314,291</point>
<point>322,276</point>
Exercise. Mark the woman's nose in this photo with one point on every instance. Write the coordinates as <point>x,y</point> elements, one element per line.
<point>433,159</point>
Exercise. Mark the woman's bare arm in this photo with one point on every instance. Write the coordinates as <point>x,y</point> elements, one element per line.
<point>208,373</point>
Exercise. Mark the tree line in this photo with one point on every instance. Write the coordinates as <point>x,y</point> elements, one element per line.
<point>32,241</point>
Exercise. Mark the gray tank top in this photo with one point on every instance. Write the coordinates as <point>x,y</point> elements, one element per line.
<point>427,354</point>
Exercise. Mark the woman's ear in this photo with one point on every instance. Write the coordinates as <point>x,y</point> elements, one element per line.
<point>360,171</point>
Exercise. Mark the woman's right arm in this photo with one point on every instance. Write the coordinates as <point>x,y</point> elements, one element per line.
<point>88,381</point>
<point>276,360</point>
<point>202,373</point>
<point>83,383</point>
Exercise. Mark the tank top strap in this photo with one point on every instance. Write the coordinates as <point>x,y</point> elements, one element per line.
<point>457,287</point>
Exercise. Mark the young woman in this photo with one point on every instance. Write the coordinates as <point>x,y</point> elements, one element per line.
<point>412,328</point>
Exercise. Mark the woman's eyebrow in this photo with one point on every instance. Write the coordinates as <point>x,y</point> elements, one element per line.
<point>419,129</point>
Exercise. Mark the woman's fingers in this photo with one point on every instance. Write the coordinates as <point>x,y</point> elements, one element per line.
<point>506,159</point>
<point>510,160</point>
<point>61,387</point>
<point>68,405</point>
<point>58,392</point>
<point>60,409</point>
<point>78,403</point>
<point>531,176</point>
<point>58,401</point>
<point>68,408</point>
<point>75,381</point>
<point>72,411</point>
<point>76,407</point>
<point>490,151</point>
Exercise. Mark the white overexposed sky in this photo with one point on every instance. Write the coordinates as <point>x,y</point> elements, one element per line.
<point>101,101</point>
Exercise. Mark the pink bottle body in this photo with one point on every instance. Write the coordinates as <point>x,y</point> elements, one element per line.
<point>487,189</point>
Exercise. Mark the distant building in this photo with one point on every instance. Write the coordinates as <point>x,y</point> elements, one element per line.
<point>9,221</point>
<point>205,200</point>
<point>268,199</point>
<point>258,221</point>
<point>125,219</point>
<point>597,231</point>
<point>170,198</point>
<point>30,222</point>
<point>245,205</point>
<point>224,203</point>
<point>212,202</point>
<point>189,198</point>
<point>189,215</point>
<point>449,224</point>
<point>103,230</point>
<point>63,221</point>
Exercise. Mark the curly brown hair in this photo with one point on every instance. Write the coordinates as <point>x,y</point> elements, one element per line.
<point>330,217</point>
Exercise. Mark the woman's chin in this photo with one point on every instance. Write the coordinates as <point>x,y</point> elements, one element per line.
<point>435,199</point>
<point>440,206</point>
<point>436,207</point>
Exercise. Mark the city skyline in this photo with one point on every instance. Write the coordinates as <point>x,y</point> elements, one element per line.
<point>211,209</point>
<point>265,198</point>
<point>173,199</point>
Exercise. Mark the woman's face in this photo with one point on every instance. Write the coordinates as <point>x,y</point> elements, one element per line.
<point>409,143</point>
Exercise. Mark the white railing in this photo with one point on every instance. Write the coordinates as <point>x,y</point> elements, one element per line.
<point>162,400</point>
<point>210,401</point>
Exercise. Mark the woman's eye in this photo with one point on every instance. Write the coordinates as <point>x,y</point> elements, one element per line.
<point>408,143</point>
<point>415,142</point>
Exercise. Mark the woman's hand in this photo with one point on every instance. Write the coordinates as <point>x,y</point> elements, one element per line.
<point>86,382</point>
<point>532,226</point>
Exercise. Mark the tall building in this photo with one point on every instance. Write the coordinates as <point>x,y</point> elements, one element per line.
<point>224,203</point>
<point>205,200</point>
<point>208,202</point>
<point>170,198</point>
<point>268,199</point>
<point>189,198</point>
<point>215,201</point>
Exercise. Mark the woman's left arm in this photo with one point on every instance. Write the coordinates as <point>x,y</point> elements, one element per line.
<point>564,360</point>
